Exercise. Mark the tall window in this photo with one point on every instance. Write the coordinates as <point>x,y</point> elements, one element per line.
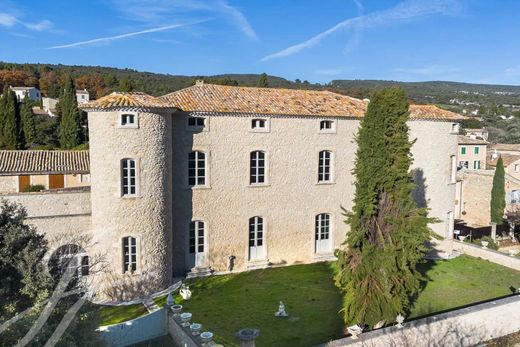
<point>324,169</point>
<point>128,177</point>
<point>197,169</point>
<point>257,167</point>
<point>197,237</point>
<point>463,150</point>
<point>476,165</point>
<point>256,231</point>
<point>129,254</point>
<point>476,149</point>
<point>322,228</point>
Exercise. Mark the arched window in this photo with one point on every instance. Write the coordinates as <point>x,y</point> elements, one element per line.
<point>197,168</point>
<point>129,254</point>
<point>324,166</point>
<point>196,237</point>
<point>69,258</point>
<point>257,167</point>
<point>128,177</point>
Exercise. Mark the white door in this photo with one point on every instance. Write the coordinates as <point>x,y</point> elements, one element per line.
<point>197,246</point>
<point>322,233</point>
<point>256,238</point>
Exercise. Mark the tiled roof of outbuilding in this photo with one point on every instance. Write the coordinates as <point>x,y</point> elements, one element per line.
<point>43,162</point>
<point>230,99</point>
<point>466,140</point>
<point>126,100</point>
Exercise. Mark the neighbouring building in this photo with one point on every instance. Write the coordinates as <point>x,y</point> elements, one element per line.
<point>51,169</point>
<point>481,134</point>
<point>82,96</point>
<point>182,182</point>
<point>471,153</point>
<point>49,106</point>
<point>505,148</point>
<point>31,92</point>
<point>511,163</point>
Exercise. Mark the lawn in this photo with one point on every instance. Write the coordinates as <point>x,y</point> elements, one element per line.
<point>116,314</point>
<point>225,304</point>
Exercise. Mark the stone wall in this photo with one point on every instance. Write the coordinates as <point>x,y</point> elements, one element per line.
<point>465,327</point>
<point>62,216</point>
<point>8,184</point>
<point>497,257</point>
<point>292,197</point>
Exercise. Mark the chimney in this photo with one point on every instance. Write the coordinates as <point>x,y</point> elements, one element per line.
<point>199,82</point>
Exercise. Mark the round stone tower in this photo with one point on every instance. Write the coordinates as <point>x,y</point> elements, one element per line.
<point>131,194</point>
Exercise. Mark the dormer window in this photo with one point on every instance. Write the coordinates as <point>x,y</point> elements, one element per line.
<point>128,120</point>
<point>327,126</point>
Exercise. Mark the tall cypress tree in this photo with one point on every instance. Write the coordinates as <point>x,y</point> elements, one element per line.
<point>3,101</point>
<point>376,268</point>
<point>11,123</point>
<point>498,194</point>
<point>262,81</point>
<point>28,126</point>
<point>69,132</point>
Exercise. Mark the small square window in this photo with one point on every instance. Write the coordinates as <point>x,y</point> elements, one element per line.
<point>327,126</point>
<point>196,122</point>
<point>128,120</point>
<point>258,124</point>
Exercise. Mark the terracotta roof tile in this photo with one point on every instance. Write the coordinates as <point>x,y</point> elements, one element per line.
<point>508,159</point>
<point>126,100</point>
<point>43,162</point>
<point>466,140</point>
<point>229,99</point>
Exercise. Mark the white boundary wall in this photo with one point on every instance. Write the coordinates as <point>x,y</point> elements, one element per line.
<point>496,257</point>
<point>464,327</point>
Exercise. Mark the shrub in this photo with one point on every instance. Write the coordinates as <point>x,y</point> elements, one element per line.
<point>33,188</point>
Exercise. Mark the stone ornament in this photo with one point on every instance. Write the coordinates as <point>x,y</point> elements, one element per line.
<point>281,311</point>
<point>185,292</point>
<point>169,300</point>
<point>399,319</point>
<point>355,330</point>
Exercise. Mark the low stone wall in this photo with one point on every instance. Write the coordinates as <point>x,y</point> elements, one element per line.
<point>138,330</point>
<point>464,327</point>
<point>179,335</point>
<point>500,258</point>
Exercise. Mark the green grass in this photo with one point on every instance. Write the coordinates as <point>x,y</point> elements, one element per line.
<point>116,314</point>
<point>462,281</point>
<point>225,304</point>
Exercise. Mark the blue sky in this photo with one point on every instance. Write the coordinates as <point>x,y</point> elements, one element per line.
<point>409,40</point>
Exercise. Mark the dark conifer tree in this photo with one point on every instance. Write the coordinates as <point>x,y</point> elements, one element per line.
<point>11,122</point>
<point>28,126</point>
<point>498,194</point>
<point>3,101</point>
<point>377,267</point>
<point>70,131</point>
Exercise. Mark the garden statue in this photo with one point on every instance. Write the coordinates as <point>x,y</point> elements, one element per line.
<point>355,331</point>
<point>169,300</point>
<point>281,311</point>
<point>399,319</point>
<point>230,262</point>
<point>185,292</point>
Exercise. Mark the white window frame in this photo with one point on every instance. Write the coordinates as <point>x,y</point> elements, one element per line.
<point>126,171</point>
<point>133,125</point>
<point>265,129</point>
<point>196,175</point>
<point>464,164</point>
<point>196,127</point>
<point>331,130</point>
<point>475,164</point>
<point>322,226</point>
<point>196,236</point>
<point>321,164</point>
<point>254,175</point>
<point>130,265</point>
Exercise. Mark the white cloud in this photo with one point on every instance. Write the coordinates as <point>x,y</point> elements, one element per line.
<point>126,35</point>
<point>152,11</point>
<point>40,26</point>
<point>407,10</point>
<point>7,20</point>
